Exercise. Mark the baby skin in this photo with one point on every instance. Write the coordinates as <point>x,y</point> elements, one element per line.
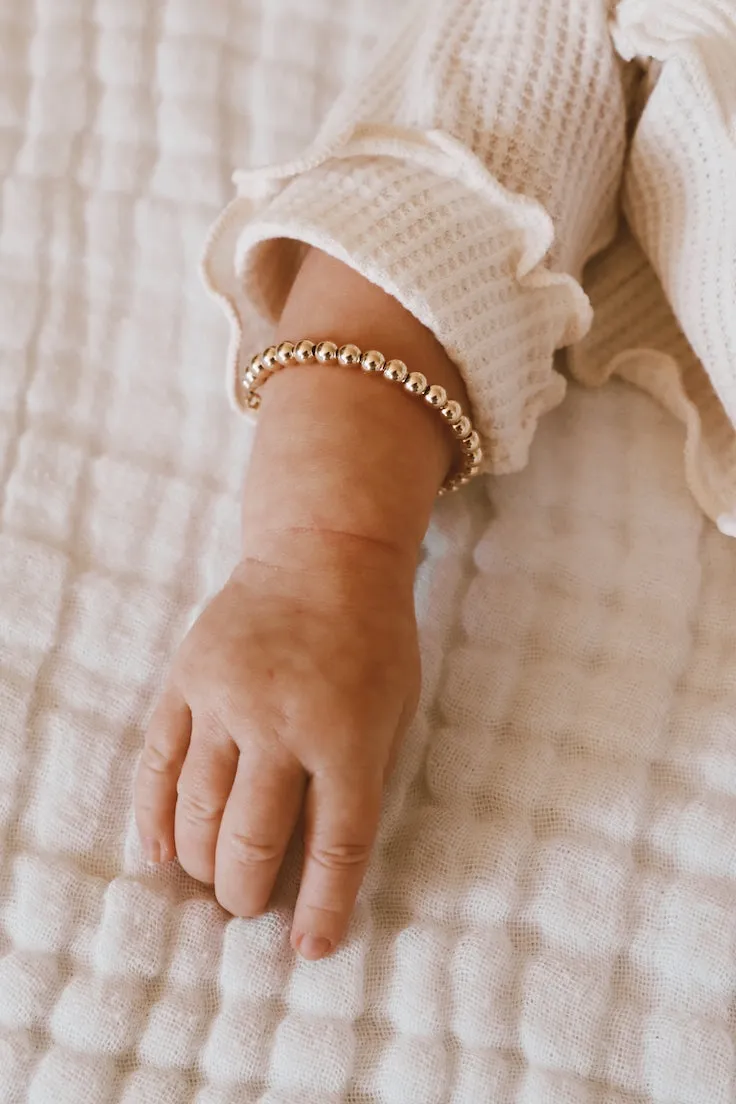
<point>287,700</point>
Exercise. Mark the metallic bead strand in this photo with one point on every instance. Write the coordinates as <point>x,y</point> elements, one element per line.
<point>287,354</point>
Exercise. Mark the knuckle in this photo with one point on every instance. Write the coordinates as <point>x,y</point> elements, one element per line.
<point>210,727</point>
<point>344,856</point>
<point>147,808</point>
<point>250,851</point>
<point>229,703</point>
<point>196,809</point>
<point>218,701</point>
<point>155,760</point>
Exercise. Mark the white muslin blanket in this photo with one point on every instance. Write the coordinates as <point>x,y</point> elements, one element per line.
<point>550,915</point>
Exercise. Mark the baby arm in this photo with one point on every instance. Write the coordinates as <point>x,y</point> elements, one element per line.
<point>290,694</point>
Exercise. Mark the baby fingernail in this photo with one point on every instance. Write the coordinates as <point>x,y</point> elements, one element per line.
<point>314,947</point>
<point>152,850</point>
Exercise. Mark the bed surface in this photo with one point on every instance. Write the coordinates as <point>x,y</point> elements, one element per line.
<point>550,917</point>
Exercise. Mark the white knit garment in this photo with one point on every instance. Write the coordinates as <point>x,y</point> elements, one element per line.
<point>550,914</point>
<point>476,163</point>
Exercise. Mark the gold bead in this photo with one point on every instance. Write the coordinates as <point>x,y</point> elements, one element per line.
<point>326,352</point>
<point>349,355</point>
<point>248,379</point>
<point>452,412</point>
<point>436,396</point>
<point>471,442</point>
<point>463,428</point>
<point>442,492</point>
<point>304,351</point>
<point>476,456</point>
<point>373,361</point>
<point>396,371</point>
<point>253,400</point>
<point>417,383</point>
<point>256,364</point>
<point>285,353</point>
<point>269,357</point>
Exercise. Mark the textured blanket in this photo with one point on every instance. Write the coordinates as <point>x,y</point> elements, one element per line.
<point>550,916</point>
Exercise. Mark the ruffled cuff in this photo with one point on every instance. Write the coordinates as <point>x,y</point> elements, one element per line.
<point>679,182</point>
<point>420,216</point>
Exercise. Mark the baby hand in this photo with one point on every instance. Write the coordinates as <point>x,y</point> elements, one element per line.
<point>288,696</point>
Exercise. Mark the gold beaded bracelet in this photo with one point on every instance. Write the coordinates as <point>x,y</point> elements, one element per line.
<point>264,364</point>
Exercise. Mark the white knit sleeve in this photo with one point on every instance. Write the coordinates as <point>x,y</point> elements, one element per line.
<point>470,172</point>
<point>680,186</point>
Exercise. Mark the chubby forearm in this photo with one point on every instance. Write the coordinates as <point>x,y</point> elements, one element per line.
<point>339,451</point>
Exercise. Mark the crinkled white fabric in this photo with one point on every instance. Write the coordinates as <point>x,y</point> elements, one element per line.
<point>549,916</point>
<point>681,177</point>
<point>475,164</point>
